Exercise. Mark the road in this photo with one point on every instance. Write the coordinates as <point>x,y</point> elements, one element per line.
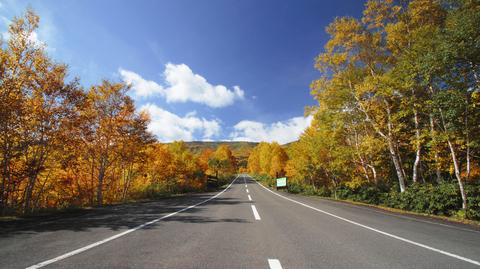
<point>244,226</point>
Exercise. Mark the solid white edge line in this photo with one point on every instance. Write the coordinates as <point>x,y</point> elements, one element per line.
<point>417,220</point>
<point>249,198</point>
<point>274,264</point>
<point>255,213</point>
<point>80,250</point>
<point>378,231</point>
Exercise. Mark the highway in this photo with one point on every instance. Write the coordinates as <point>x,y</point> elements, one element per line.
<point>243,226</point>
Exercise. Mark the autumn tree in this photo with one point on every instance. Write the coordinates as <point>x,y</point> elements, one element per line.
<point>278,161</point>
<point>61,145</point>
<point>37,104</point>
<point>223,162</point>
<point>397,82</point>
<point>267,159</point>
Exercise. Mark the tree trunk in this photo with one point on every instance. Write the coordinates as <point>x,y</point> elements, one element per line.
<point>397,164</point>
<point>418,147</point>
<point>435,150</point>
<point>101,176</point>
<point>394,153</point>
<point>374,172</point>
<point>29,194</point>
<point>467,138</point>
<point>362,161</point>
<point>455,162</point>
<point>3,202</point>
<point>457,174</point>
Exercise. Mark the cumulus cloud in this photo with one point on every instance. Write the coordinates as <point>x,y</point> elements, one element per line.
<point>169,127</point>
<point>141,87</point>
<point>281,131</point>
<point>182,85</point>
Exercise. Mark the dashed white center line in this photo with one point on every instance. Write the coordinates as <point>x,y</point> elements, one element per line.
<point>274,264</point>
<point>249,198</point>
<point>255,213</point>
<point>247,190</point>
<point>245,185</point>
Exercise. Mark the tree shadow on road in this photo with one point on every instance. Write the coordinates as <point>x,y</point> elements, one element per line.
<point>124,216</point>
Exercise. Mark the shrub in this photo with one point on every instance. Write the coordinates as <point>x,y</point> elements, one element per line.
<point>473,201</point>
<point>156,190</point>
<point>294,187</point>
<point>442,199</point>
<point>324,192</point>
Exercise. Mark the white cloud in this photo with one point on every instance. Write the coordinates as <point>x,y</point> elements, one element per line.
<point>45,32</point>
<point>281,131</point>
<point>182,85</point>
<point>141,87</point>
<point>185,86</point>
<point>32,38</point>
<point>169,127</point>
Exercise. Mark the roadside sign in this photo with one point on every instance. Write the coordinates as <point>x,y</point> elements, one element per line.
<point>281,182</point>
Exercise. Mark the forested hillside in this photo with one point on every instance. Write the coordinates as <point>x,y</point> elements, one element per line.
<point>241,150</point>
<point>398,115</point>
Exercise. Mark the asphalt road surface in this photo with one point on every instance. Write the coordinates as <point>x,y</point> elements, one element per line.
<point>244,226</point>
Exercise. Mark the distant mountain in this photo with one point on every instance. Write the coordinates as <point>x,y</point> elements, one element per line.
<point>240,149</point>
<point>198,146</point>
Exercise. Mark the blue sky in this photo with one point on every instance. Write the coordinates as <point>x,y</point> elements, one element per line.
<point>205,70</point>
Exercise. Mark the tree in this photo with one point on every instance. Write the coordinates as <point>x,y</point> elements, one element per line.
<point>223,161</point>
<point>37,105</point>
<point>278,161</point>
<point>110,112</point>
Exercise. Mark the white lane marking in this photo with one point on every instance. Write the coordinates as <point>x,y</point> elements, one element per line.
<point>249,198</point>
<point>379,231</point>
<point>247,190</point>
<point>415,219</point>
<point>80,250</point>
<point>274,264</point>
<point>255,213</point>
<point>246,186</point>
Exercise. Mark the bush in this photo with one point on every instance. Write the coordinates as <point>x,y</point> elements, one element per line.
<point>269,181</point>
<point>442,199</point>
<point>324,192</point>
<point>156,190</point>
<point>473,201</point>
<point>294,187</point>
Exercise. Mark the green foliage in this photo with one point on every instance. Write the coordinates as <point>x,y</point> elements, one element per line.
<point>473,194</point>
<point>268,180</point>
<point>442,199</point>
